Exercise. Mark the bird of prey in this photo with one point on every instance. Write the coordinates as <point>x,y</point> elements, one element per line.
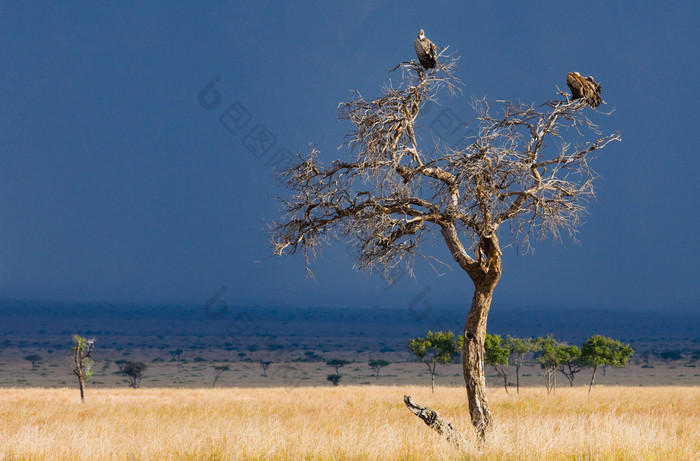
<point>584,88</point>
<point>425,50</point>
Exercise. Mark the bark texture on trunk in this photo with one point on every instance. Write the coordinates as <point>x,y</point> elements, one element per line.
<point>436,423</point>
<point>473,360</point>
<point>78,370</point>
<point>485,271</point>
<point>503,374</point>
<point>82,388</point>
<point>590,387</point>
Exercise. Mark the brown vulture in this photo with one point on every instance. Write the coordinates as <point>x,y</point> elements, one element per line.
<point>584,88</point>
<point>425,50</point>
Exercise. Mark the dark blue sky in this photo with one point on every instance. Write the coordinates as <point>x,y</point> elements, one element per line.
<point>116,184</point>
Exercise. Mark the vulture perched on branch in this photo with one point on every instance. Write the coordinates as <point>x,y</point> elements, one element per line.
<point>425,50</point>
<point>584,88</point>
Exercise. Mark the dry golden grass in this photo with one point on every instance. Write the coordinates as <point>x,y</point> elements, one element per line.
<point>347,422</point>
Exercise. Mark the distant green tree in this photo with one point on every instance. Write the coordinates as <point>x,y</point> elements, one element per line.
<point>134,372</point>
<point>519,348</point>
<point>176,353</point>
<point>311,356</point>
<point>82,349</point>
<point>264,364</point>
<point>601,351</point>
<point>378,365</point>
<point>571,362</point>
<point>550,359</point>
<point>335,379</point>
<point>33,358</point>
<point>337,363</point>
<point>695,356</point>
<point>670,356</point>
<point>218,369</point>
<point>434,348</point>
<point>120,364</point>
<point>496,354</point>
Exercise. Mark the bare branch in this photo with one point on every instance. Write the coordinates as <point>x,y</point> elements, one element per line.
<point>433,420</point>
<point>391,194</point>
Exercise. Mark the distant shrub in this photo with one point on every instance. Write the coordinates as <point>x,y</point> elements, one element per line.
<point>134,372</point>
<point>33,358</point>
<point>669,356</point>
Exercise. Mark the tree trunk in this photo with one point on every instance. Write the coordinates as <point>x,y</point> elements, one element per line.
<point>517,379</point>
<point>550,379</point>
<point>82,388</point>
<point>485,271</point>
<point>502,373</point>
<point>431,369</point>
<point>473,359</point>
<point>595,367</point>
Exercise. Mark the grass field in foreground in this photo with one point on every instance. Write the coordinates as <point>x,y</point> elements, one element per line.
<point>346,422</point>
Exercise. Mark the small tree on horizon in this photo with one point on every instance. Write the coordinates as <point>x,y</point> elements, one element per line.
<point>218,369</point>
<point>34,359</point>
<point>377,365</point>
<point>134,372</point>
<point>176,353</point>
<point>695,356</point>
<point>519,347</point>
<point>120,365</point>
<point>670,356</point>
<point>82,350</point>
<point>550,359</point>
<point>337,364</point>
<point>496,354</point>
<point>264,364</point>
<point>434,348</point>
<point>334,379</point>
<point>571,362</point>
<point>599,350</point>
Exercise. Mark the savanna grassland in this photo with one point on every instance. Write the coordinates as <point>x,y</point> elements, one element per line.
<point>647,410</point>
<point>345,422</point>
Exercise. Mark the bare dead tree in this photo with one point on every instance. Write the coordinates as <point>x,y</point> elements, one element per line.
<point>391,194</point>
